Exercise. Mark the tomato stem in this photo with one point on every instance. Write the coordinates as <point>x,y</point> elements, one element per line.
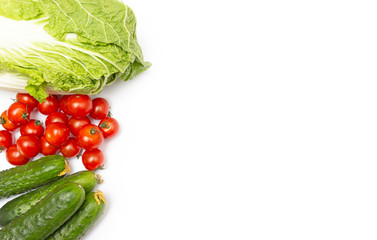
<point>93,131</point>
<point>2,148</point>
<point>2,120</point>
<point>105,125</point>
<point>25,115</point>
<point>80,154</point>
<point>38,123</point>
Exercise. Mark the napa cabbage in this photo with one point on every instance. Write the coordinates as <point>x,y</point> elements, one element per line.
<point>67,46</point>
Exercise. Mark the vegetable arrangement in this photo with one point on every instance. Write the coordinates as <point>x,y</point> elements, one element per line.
<point>72,48</point>
<point>62,209</point>
<point>68,46</point>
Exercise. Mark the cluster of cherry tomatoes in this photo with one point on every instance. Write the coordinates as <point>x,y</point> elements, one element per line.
<point>68,131</point>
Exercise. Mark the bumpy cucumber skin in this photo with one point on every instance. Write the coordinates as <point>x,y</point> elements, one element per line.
<point>24,203</point>
<point>47,216</point>
<point>31,175</point>
<point>81,222</point>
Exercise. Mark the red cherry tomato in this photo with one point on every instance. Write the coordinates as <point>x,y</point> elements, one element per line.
<point>14,157</point>
<point>56,117</point>
<point>57,134</point>
<point>93,159</point>
<point>8,124</point>
<point>33,127</point>
<point>46,148</point>
<point>50,105</point>
<point>79,105</point>
<point>90,137</point>
<point>28,146</point>
<point>27,99</point>
<point>71,148</point>
<point>100,108</point>
<point>109,127</point>
<point>63,104</point>
<point>75,124</point>
<point>19,113</point>
<point>6,140</point>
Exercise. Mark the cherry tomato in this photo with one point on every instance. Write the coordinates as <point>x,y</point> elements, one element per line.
<point>57,134</point>
<point>63,104</point>
<point>46,148</point>
<point>109,127</point>
<point>79,105</point>
<point>33,127</point>
<point>71,148</point>
<point>50,105</point>
<point>7,124</point>
<point>14,157</point>
<point>93,159</point>
<point>90,137</point>
<point>6,140</point>
<point>75,124</point>
<point>28,146</point>
<point>56,117</point>
<point>100,108</point>
<point>19,113</point>
<point>27,99</point>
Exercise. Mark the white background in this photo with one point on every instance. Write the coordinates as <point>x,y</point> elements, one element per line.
<point>257,121</point>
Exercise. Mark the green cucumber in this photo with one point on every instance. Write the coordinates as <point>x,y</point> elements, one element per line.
<point>83,220</point>
<point>47,216</point>
<point>32,175</point>
<point>23,203</point>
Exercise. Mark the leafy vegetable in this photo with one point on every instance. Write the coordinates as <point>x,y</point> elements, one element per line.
<point>76,46</point>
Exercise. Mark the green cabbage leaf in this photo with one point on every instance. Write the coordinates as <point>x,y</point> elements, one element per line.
<point>67,46</point>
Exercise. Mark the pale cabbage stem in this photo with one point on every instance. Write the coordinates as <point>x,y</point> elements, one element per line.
<point>16,82</point>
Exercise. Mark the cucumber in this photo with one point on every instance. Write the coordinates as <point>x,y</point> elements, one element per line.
<point>23,203</point>
<point>32,175</point>
<point>83,220</point>
<point>47,216</point>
